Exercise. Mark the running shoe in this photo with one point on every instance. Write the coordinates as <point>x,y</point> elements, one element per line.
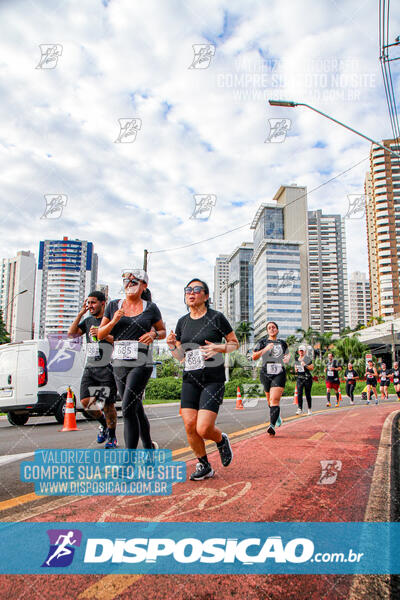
<point>278,422</point>
<point>299,411</point>
<point>155,445</point>
<point>102,435</point>
<point>351,401</point>
<point>328,404</point>
<point>111,443</point>
<point>202,472</point>
<point>271,429</point>
<point>368,402</point>
<point>376,402</point>
<point>309,412</point>
<point>337,405</point>
<point>225,451</point>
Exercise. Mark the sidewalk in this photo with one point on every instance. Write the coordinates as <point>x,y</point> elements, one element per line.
<point>270,479</point>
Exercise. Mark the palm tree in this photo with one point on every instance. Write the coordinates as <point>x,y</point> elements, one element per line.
<point>325,340</point>
<point>376,320</point>
<point>349,349</point>
<point>310,335</point>
<point>243,333</point>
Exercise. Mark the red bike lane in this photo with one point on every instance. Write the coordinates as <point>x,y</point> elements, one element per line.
<point>316,468</point>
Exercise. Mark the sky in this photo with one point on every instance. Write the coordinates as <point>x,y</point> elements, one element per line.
<point>77,77</point>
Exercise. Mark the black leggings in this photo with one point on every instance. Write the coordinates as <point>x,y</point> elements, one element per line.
<point>350,390</point>
<point>306,385</point>
<point>131,383</point>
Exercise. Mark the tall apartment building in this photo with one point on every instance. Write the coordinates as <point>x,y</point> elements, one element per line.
<point>240,285</point>
<point>17,290</point>
<point>328,272</point>
<point>67,272</point>
<point>382,193</point>
<point>280,265</point>
<point>359,300</point>
<point>221,277</point>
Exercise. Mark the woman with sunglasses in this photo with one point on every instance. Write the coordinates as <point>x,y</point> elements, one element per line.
<point>275,356</point>
<point>197,342</point>
<point>135,323</point>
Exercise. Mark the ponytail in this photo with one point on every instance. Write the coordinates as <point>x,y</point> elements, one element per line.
<point>146,295</point>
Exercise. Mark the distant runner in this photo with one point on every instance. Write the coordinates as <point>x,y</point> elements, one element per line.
<point>371,375</point>
<point>332,378</point>
<point>303,367</point>
<point>351,377</point>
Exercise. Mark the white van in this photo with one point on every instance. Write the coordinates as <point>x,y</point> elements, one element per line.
<point>35,375</point>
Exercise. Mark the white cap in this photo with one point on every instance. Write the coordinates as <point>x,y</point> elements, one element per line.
<point>302,347</point>
<point>138,273</point>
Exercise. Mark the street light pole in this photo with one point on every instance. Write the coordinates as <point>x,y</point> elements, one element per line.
<point>7,305</point>
<point>290,104</point>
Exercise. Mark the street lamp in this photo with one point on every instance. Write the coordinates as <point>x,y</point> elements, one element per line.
<point>290,104</point>
<point>7,305</point>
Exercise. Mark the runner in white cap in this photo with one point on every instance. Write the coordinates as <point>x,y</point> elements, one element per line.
<point>303,367</point>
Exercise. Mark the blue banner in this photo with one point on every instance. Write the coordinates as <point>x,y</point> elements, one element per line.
<point>196,548</point>
<point>86,472</point>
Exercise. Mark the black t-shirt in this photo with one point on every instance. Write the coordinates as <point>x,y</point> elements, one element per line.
<point>100,352</point>
<point>331,375</point>
<point>396,376</point>
<point>132,328</point>
<point>370,374</point>
<point>350,375</point>
<point>273,356</point>
<point>384,375</point>
<point>304,373</point>
<point>193,333</point>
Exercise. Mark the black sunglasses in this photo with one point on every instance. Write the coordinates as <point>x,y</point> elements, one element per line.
<point>197,289</point>
<point>128,280</point>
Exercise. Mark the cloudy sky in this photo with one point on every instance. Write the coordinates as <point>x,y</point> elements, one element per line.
<point>196,125</point>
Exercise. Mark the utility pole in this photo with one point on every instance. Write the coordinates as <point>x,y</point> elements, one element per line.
<point>393,345</point>
<point>145,261</point>
<point>226,315</point>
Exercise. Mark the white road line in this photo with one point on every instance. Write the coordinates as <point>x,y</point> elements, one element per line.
<point>9,458</point>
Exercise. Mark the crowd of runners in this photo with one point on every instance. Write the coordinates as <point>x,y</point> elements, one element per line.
<point>119,360</point>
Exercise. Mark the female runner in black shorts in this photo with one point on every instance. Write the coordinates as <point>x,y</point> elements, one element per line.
<point>396,378</point>
<point>197,343</point>
<point>371,376</point>
<point>275,355</point>
<point>135,322</point>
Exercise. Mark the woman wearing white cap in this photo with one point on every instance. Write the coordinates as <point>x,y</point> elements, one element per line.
<point>135,322</point>
<point>303,367</point>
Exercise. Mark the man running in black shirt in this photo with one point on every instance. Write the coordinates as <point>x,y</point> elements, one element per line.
<point>98,386</point>
<point>332,379</point>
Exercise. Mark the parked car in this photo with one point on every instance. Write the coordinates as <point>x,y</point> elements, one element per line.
<point>35,376</point>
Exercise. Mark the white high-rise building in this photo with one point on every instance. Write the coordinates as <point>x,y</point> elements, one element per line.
<point>17,290</point>
<point>328,272</point>
<point>221,277</point>
<point>359,300</point>
<point>67,272</point>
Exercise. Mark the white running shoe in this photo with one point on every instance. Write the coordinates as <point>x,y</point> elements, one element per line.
<point>299,411</point>
<point>309,412</point>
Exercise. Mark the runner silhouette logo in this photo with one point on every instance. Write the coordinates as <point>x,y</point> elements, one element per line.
<point>62,547</point>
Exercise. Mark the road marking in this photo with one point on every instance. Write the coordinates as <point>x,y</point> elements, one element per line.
<point>317,436</point>
<point>109,587</point>
<point>9,458</point>
<point>18,500</point>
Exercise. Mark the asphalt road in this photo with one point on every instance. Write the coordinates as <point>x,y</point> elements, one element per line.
<point>166,427</point>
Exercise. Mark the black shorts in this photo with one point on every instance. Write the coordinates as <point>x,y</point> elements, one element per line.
<point>371,381</point>
<point>98,378</point>
<point>385,383</point>
<point>270,381</point>
<point>202,396</point>
<point>396,382</point>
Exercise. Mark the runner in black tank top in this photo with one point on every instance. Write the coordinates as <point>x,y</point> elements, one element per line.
<point>371,376</point>
<point>395,376</point>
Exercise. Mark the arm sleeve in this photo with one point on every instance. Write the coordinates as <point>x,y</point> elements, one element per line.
<point>178,330</point>
<point>82,326</point>
<point>156,316</point>
<point>224,325</point>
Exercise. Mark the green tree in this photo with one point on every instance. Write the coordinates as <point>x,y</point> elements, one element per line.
<point>243,333</point>
<point>291,340</point>
<point>349,349</point>
<point>375,321</point>
<point>325,340</point>
<point>4,335</point>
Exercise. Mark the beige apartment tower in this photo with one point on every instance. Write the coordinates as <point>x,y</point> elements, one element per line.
<point>382,195</point>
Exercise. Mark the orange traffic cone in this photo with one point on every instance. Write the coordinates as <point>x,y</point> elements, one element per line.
<point>180,411</point>
<point>296,396</point>
<point>340,395</point>
<point>239,403</point>
<point>69,418</point>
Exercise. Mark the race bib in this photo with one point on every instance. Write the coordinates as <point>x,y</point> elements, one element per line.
<point>194,360</point>
<point>330,373</point>
<point>92,350</point>
<point>274,368</point>
<point>383,377</point>
<point>370,375</point>
<point>125,350</point>
<point>349,375</point>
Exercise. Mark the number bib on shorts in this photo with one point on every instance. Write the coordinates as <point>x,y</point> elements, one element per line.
<point>194,360</point>
<point>126,350</point>
<point>92,350</point>
<point>330,373</point>
<point>274,368</point>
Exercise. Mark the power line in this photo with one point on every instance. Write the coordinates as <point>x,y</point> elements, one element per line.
<point>247,224</point>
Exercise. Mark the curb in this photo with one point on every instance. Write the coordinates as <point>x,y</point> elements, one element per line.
<point>378,509</point>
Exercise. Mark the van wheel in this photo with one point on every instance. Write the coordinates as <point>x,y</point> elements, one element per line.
<point>59,411</point>
<point>17,418</point>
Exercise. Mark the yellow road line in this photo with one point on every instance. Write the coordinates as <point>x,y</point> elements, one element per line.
<point>18,500</point>
<point>317,436</point>
<point>108,587</point>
